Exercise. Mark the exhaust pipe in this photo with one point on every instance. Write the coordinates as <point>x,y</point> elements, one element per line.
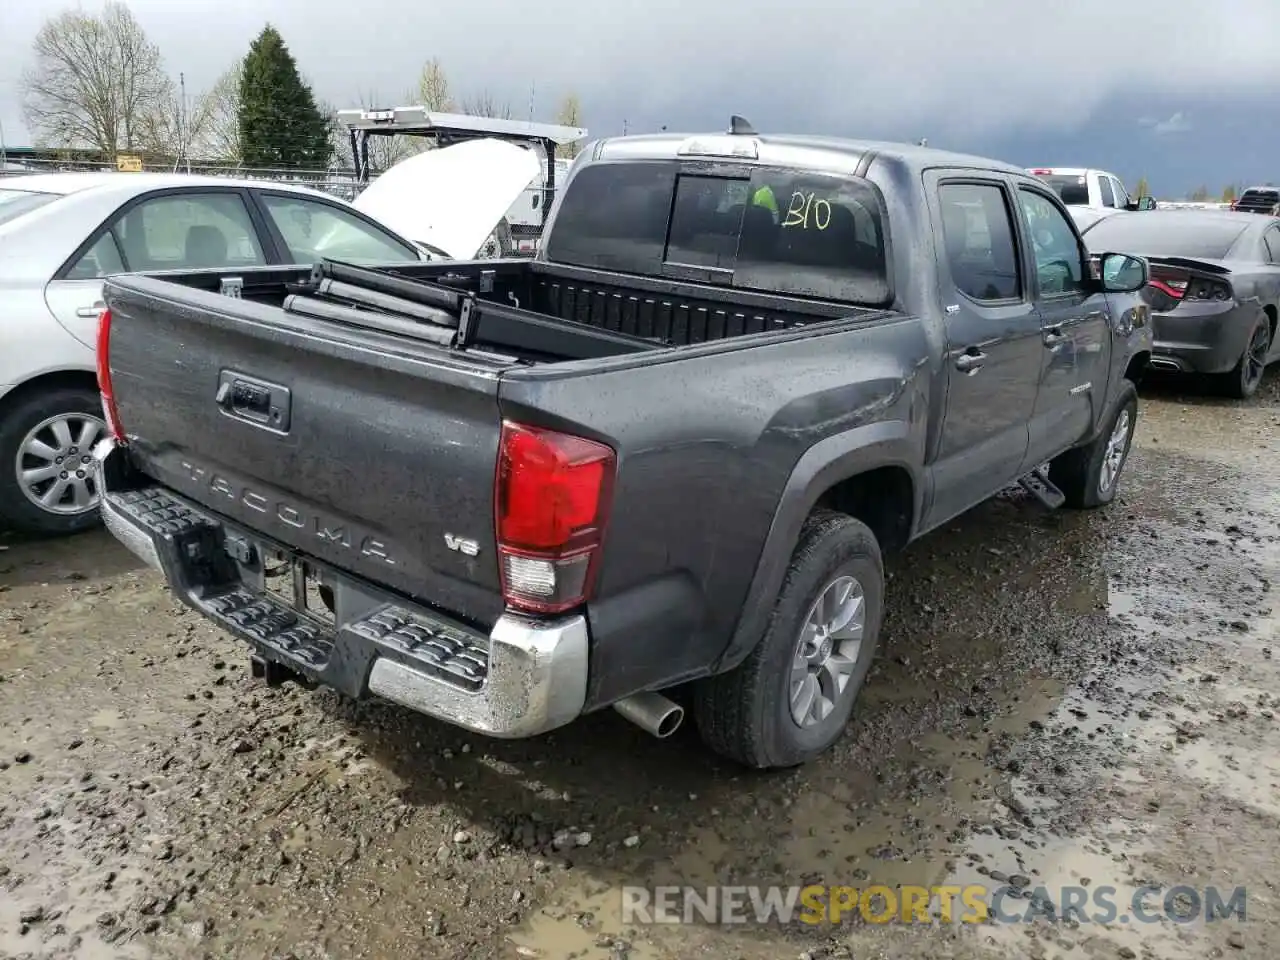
<point>652,712</point>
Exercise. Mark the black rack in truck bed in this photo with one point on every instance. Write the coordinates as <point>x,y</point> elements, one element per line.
<point>671,449</point>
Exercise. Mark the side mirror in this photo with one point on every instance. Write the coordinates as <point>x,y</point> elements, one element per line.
<point>1120,273</point>
<point>1146,203</point>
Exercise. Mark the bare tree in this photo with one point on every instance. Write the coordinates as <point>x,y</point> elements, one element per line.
<point>176,130</point>
<point>570,115</point>
<point>220,135</point>
<point>433,88</point>
<point>94,79</point>
<point>484,105</point>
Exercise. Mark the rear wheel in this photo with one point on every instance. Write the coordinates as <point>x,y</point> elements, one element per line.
<point>1243,381</point>
<point>791,699</point>
<point>48,480</point>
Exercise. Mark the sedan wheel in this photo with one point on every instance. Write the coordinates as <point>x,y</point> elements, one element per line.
<point>48,477</point>
<point>55,463</point>
<point>1245,377</point>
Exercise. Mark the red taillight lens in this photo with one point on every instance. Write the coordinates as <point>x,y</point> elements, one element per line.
<point>1172,283</point>
<point>1041,172</point>
<point>551,503</point>
<point>104,377</point>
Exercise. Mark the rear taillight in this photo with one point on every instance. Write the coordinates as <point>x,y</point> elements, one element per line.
<point>104,377</point>
<point>1202,289</point>
<point>1041,173</point>
<point>1179,285</point>
<point>1172,283</point>
<point>551,501</point>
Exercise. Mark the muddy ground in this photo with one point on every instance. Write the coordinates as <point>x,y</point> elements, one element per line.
<point>1064,699</point>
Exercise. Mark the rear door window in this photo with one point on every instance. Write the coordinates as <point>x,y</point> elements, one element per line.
<point>978,237</point>
<point>189,232</point>
<point>773,231</point>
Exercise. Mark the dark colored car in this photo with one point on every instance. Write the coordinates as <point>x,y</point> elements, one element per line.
<point>1214,289</point>
<point>1259,200</point>
<point>672,449</point>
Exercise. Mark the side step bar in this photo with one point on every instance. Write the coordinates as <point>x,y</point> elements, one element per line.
<point>1038,484</point>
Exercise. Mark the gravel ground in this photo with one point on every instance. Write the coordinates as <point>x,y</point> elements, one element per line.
<point>1060,698</point>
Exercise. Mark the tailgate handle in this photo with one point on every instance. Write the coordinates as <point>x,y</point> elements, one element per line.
<point>254,401</point>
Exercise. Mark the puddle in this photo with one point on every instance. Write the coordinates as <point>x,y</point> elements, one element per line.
<point>585,923</point>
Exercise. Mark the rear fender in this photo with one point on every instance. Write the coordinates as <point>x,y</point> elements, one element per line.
<point>890,443</point>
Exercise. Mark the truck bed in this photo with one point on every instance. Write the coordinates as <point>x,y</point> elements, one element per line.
<point>524,311</point>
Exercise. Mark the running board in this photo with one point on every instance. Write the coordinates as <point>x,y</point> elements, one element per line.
<point>1038,484</point>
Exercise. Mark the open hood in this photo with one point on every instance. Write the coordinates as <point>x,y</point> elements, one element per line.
<point>451,198</point>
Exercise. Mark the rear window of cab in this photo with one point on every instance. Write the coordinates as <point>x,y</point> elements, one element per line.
<point>772,231</point>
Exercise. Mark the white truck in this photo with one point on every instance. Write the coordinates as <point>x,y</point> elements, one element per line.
<point>1086,187</point>
<point>520,229</point>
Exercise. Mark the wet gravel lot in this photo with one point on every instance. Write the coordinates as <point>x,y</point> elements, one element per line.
<point>1060,700</point>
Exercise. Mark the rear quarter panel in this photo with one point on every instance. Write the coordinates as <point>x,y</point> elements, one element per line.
<point>707,440</point>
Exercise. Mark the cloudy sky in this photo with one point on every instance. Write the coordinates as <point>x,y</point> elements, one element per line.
<point>1178,91</point>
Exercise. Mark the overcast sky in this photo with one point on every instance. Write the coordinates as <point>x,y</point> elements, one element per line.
<point>1168,89</point>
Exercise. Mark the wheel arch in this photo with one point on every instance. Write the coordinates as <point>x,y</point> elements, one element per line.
<point>870,473</point>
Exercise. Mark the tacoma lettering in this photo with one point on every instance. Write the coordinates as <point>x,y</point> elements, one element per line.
<point>324,529</point>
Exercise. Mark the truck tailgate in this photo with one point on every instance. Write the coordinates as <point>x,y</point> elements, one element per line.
<point>372,452</point>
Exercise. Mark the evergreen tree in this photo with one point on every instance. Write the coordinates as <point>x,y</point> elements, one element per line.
<point>280,124</point>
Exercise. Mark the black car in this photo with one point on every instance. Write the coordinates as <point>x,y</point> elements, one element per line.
<point>1259,200</point>
<point>1214,289</point>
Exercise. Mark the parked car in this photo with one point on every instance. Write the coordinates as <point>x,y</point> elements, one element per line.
<point>1214,289</point>
<point>672,448</point>
<point>1084,187</point>
<point>61,234</point>
<point>1259,200</point>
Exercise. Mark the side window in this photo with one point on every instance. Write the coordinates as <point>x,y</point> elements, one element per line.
<point>189,232</point>
<point>1271,242</point>
<point>977,232</point>
<point>100,260</point>
<point>315,231</point>
<point>1059,262</point>
<point>1108,197</point>
<point>1122,195</point>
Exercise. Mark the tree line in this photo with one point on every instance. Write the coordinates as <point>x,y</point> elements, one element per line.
<point>97,83</point>
<point>1201,194</point>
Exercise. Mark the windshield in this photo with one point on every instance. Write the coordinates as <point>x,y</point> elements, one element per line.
<point>772,230</point>
<point>14,203</point>
<point>1073,191</point>
<point>1177,233</point>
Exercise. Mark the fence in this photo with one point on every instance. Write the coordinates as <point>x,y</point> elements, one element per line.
<point>338,182</point>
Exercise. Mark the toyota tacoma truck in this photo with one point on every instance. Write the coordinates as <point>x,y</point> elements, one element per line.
<point>670,451</point>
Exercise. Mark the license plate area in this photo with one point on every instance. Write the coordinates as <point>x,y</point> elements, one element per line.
<point>297,584</point>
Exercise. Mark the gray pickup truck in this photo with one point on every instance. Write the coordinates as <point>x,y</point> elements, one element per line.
<point>670,451</point>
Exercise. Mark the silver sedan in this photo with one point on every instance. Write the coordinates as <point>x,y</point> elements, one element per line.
<point>60,234</point>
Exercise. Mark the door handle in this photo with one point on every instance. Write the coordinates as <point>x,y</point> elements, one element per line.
<point>1053,336</point>
<point>970,362</point>
<point>89,313</point>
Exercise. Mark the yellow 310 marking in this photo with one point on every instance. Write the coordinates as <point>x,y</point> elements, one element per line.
<point>800,208</point>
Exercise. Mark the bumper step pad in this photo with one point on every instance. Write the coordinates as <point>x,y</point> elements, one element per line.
<point>204,573</point>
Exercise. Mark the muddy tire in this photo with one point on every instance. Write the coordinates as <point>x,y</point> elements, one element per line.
<point>30,428</point>
<point>791,699</point>
<point>1089,476</point>
<point>1245,378</point>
